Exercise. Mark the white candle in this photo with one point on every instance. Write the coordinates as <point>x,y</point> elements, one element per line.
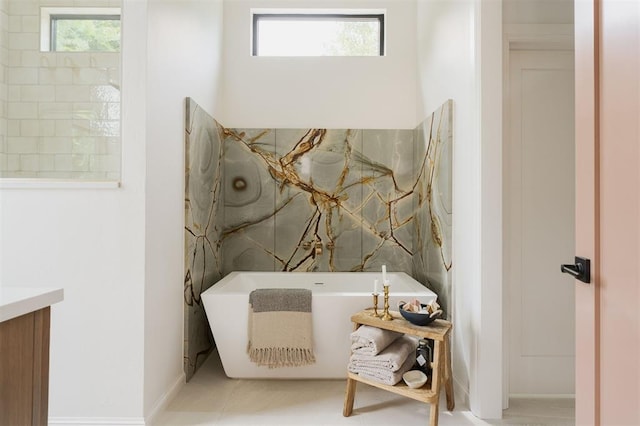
<point>375,286</point>
<point>384,274</point>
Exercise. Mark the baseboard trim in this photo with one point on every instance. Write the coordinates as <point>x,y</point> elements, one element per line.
<point>542,396</point>
<point>94,421</point>
<point>165,399</point>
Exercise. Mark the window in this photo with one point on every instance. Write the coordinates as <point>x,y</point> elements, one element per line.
<point>318,34</point>
<point>80,29</point>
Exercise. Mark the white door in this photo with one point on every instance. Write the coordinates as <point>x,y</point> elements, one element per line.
<point>539,222</point>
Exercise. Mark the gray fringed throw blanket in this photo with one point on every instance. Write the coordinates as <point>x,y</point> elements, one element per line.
<point>280,327</point>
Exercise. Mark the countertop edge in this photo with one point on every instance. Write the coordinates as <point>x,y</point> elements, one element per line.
<point>17,301</point>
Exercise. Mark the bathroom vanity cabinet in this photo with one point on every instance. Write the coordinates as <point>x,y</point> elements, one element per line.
<point>439,332</point>
<point>24,354</point>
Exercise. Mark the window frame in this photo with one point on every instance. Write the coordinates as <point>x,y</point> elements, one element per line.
<point>48,16</point>
<point>256,16</point>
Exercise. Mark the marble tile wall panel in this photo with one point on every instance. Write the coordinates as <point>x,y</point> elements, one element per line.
<point>204,197</point>
<point>433,203</point>
<point>326,189</point>
<point>319,177</point>
<point>297,218</point>
<point>387,212</point>
<point>249,217</point>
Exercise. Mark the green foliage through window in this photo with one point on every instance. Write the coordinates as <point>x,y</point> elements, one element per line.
<point>85,34</point>
<point>355,38</point>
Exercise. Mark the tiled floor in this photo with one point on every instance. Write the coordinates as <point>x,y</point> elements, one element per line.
<point>210,398</point>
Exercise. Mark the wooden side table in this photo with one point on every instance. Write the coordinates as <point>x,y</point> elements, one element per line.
<point>438,331</point>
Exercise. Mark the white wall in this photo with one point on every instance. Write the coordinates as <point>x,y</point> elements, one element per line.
<point>184,59</point>
<point>116,344</point>
<point>91,243</point>
<point>537,11</point>
<point>447,70</point>
<point>332,92</point>
<point>451,65</point>
<point>486,395</point>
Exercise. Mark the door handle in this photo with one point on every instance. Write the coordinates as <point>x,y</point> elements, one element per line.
<point>581,270</point>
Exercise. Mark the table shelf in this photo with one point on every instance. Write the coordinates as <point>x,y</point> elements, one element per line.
<point>439,332</point>
<point>423,394</point>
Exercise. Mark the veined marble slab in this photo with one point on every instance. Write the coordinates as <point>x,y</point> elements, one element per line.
<point>203,228</point>
<point>334,187</point>
<point>432,228</point>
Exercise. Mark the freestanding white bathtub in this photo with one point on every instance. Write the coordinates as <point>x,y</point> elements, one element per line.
<point>336,296</point>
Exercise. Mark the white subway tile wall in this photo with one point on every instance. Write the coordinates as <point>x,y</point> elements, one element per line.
<point>4,89</point>
<point>59,112</point>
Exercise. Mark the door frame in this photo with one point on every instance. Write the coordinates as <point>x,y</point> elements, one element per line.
<point>587,57</point>
<point>519,37</point>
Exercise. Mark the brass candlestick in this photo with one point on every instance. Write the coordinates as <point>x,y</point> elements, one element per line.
<point>375,305</point>
<point>386,316</point>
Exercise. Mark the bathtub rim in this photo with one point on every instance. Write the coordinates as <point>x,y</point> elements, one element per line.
<point>221,286</point>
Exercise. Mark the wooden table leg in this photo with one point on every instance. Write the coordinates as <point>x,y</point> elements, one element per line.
<point>436,379</point>
<point>350,393</point>
<point>349,396</point>
<point>433,414</point>
<point>448,376</point>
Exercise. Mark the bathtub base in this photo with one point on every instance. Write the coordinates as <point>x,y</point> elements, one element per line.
<point>336,296</point>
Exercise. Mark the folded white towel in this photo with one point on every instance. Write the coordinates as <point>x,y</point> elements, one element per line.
<point>367,340</point>
<point>391,358</point>
<point>382,375</point>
